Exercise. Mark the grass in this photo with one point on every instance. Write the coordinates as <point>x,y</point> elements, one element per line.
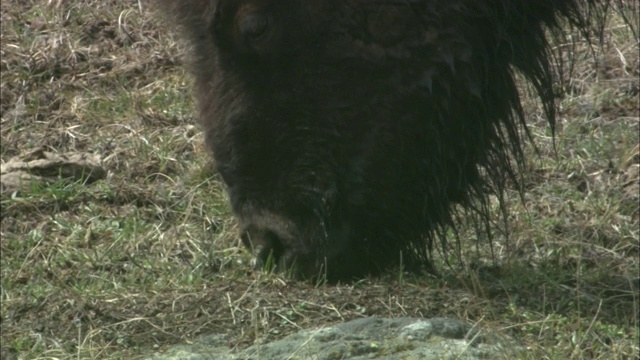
<point>149,256</point>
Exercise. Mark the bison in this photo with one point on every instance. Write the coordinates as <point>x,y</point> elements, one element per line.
<point>350,133</point>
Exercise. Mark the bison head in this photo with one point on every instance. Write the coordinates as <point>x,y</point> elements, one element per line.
<point>347,131</point>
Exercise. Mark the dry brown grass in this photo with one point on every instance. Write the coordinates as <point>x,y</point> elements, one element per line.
<point>149,256</point>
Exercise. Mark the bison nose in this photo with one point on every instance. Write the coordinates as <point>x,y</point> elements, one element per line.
<point>273,244</point>
<point>304,247</point>
<point>266,247</point>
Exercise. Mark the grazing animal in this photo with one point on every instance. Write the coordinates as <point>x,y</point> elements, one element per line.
<point>348,132</point>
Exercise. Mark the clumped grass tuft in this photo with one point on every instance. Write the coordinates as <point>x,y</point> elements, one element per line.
<point>149,256</point>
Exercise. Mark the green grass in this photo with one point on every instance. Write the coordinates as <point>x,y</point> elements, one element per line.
<point>149,256</point>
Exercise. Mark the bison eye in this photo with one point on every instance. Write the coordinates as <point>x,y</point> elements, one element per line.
<point>254,25</point>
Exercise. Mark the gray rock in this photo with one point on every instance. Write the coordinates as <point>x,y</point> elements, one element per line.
<point>368,338</point>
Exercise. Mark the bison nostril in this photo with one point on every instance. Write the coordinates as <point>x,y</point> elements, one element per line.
<point>265,245</point>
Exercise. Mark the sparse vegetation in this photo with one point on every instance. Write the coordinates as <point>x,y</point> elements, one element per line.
<point>149,256</point>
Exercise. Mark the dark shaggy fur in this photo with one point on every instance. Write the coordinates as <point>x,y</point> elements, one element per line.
<point>347,131</point>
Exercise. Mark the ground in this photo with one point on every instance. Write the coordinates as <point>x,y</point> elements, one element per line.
<point>148,255</point>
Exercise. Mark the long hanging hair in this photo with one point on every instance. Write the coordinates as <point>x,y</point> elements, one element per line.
<point>482,115</point>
